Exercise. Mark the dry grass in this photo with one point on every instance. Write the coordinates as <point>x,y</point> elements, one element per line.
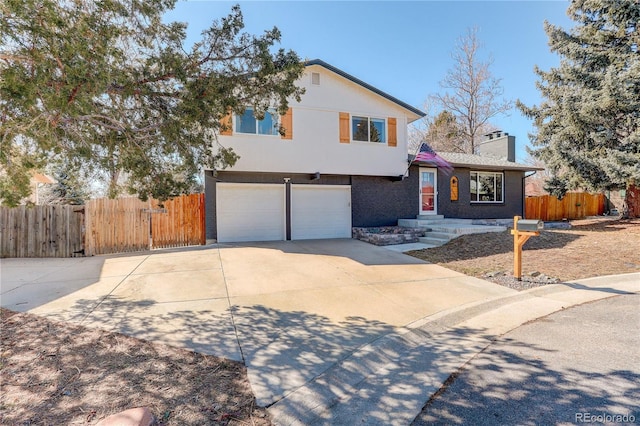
<point>590,248</point>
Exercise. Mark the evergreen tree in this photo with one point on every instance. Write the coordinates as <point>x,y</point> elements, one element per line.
<point>69,188</point>
<point>588,126</point>
<point>111,86</point>
<point>445,134</point>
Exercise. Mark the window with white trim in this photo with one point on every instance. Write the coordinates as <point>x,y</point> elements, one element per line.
<point>368,129</point>
<point>248,123</point>
<point>487,187</point>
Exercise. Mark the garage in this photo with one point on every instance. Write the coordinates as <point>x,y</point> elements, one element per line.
<point>250,212</point>
<point>320,211</point>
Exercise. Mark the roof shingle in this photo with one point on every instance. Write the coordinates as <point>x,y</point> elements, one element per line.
<point>457,159</point>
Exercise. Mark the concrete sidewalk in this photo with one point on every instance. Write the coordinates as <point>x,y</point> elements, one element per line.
<point>331,331</point>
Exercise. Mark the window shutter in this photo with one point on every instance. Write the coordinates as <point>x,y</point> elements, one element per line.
<point>286,121</point>
<point>393,133</point>
<point>226,124</point>
<point>345,137</point>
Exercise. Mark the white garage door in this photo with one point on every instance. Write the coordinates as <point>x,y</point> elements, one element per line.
<point>320,211</point>
<point>250,212</point>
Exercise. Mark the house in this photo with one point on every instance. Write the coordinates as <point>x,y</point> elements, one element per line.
<point>336,167</point>
<point>341,163</point>
<point>486,185</point>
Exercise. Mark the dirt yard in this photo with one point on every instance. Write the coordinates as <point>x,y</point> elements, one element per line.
<point>57,374</point>
<point>592,247</point>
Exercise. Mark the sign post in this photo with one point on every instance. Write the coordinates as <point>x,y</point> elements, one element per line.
<point>522,231</point>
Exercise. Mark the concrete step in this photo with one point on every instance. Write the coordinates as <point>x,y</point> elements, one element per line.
<point>441,235</point>
<point>436,242</point>
<point>415,223</point>
<point>467,229</point>
<point>401,248</point>
<point>442,230</point>
<point>430,217</point>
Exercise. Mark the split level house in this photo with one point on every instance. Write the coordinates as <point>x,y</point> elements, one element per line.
<point>343,162</point>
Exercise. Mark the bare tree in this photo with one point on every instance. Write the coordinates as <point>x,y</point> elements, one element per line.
<point>473,95</point>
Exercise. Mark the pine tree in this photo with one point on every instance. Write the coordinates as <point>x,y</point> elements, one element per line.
<point>588,125</point>
<point>445,134</point>
<point>67,189</point>
<point>111,86</point>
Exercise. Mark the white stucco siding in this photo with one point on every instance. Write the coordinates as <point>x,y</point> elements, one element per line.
<point>316,146</point>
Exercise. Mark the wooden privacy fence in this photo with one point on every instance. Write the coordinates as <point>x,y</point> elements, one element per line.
<point>128,224</point>
<point>41,231</point>
<point>574,205</point>
<point>102,226</point>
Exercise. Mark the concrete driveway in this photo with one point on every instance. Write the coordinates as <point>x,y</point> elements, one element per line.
<point>331,331</point>
<point>288,309</point>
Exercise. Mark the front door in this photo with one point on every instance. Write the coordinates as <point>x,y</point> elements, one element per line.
<point>428,191</point>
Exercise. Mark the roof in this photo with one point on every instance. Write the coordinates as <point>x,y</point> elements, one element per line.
<point>457,159</point>
<point>365,85</point>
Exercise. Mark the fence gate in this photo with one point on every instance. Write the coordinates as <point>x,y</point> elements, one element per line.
<point>178,222</point>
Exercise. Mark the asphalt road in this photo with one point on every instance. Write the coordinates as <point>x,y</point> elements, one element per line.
<point>577,366</point>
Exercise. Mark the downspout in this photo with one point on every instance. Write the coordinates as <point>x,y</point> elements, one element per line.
<point>523,192</point>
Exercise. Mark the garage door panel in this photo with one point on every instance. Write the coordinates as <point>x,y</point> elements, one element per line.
<point>320,211</point>
<point>250,212</point>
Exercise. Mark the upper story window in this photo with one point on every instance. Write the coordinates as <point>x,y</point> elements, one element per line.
<point>248,123</point>
<point>368,129</point>
<point>486,187</point>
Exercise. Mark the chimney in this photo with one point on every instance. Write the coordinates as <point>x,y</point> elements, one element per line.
<point>498,144</point>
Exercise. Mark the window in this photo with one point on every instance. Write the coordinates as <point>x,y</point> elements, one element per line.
<point>486,187</point>
<point>247,123</point>
<point>368,129</point>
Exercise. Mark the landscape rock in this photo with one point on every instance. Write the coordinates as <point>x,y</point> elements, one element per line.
<point>140,416</point>
<point>527,281</point>
<point>388,235</point>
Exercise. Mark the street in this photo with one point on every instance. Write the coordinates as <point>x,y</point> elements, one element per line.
<point>579,365</point>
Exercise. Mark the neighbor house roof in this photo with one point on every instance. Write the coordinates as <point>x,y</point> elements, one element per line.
<point>365,85</point>
<point>457,159</point>
<point>41,178</point>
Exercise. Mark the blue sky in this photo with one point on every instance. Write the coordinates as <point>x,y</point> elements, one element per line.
<point>404,48</point>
